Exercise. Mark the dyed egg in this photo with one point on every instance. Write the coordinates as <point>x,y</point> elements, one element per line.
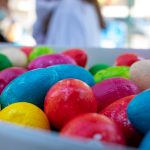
<point>73,71</point>
<point>39,51</point>
<point>27,50</point>
<point>78,55</point>
<point>25,114</point>
<point>117,113</point>
<point>93,126</point>
<point>145,144</point>
<point>96,68</point>
<point>16,56</point>
<point>127,59</point>
<point>140,74</point>
<point>139,111</point>
<point>50,60</point>
<point>4,62</point>
<point>68,99</point>
<point>111,72</point>
<point>9,74</point>
<point>33,85</point>
<point>110,90</point>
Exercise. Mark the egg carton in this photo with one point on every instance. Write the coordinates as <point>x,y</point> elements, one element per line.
<point>18,138</point>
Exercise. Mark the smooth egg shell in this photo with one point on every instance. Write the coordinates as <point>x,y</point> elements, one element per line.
<point>140,74</point>
<point>32,86</point>
<point>50,60</point>
<point>112,89</point>
<point>16,56</point>
<point>139,111</point>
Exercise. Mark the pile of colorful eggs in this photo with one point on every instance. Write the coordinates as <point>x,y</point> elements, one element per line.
<point>44,90</point>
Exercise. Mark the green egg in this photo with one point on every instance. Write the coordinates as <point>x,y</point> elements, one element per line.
<point>39,51</point>
<point>111,72</point>
<point>4,62</point>
<point>98,67</point>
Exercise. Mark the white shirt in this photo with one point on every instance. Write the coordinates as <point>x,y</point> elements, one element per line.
<point>74,23</point>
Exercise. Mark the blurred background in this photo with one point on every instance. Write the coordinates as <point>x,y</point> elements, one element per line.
<point>128,24</point>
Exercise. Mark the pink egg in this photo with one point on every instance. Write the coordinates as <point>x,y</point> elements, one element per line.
<point>50,60</point>
<point>9,74</point>
<point>112,89</point>
<point>79,55</point>
<point>127,59</point>
<point>27,50</point>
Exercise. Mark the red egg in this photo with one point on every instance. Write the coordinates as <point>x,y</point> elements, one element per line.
<point>110,90</point>
<point>50,60</point>
<point>93,126</point>
<point>9,74</point>
<point>117,113</point>
<point>78,55</point>
<point>27,50</point>
<point>127,59</point>
<point>67,99</point>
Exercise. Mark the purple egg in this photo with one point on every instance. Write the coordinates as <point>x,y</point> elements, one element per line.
<point>110,90</point>
<point>50,60</point>
<point>9,74</point>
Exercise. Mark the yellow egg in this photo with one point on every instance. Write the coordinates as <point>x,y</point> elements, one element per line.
<point>25,114</point>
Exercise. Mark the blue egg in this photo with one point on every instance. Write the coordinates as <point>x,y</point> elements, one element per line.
<point>32,86</point>
<point>139,111</point>
<point>73,71</point>
<point>145,144</point>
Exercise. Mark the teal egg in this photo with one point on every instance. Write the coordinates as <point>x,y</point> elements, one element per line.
<point>139,111</point>
<point>32,86</point>
<point>145,144</point>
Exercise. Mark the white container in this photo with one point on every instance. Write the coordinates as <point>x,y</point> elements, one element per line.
<point>17,138</point>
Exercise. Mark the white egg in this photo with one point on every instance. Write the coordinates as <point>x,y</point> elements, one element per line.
<point>140,74</point>
<point>15,55</point>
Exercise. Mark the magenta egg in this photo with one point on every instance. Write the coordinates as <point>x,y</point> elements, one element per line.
<point>50,60</point>
<point>110,90</point>
<point>9,74</point>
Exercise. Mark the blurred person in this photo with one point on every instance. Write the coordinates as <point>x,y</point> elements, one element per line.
<point>68,23</point>
<point>3,15</point>
<point>8,25</point>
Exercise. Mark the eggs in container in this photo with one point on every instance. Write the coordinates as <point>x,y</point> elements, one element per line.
<point>52,89</point>
<point>33,85</point>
